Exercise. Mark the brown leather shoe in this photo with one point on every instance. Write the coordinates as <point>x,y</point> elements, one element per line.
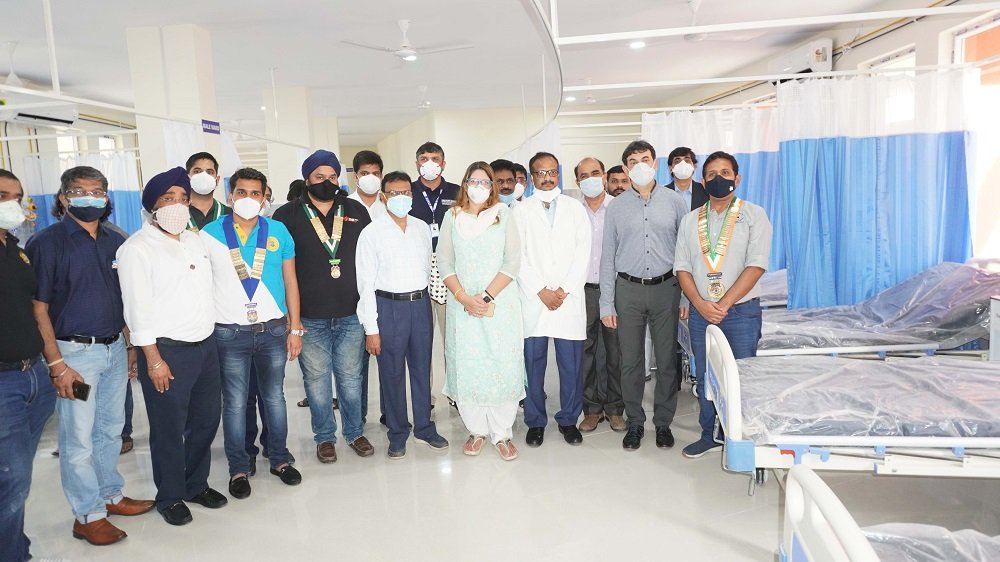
<point>617,423</point>
<point>326,452</point>
<point>98,533</point>
<point>362,447</point>
<point>590,422</point>
<point>128,506</point>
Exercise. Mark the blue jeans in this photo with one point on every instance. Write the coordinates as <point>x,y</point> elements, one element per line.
<point>90,433</point>
<point>742,328</point>
<point>255,404</point>
<point>27,400</point>
<point>337,346</point>
<point>238,350</point>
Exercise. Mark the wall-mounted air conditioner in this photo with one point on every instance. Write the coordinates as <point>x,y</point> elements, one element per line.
<point>40,115</point>
<point>814,56</point>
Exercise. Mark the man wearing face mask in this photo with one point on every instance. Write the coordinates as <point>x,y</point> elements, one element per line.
<point>722,250</point>
<point>638,289</point>
<point>505,178</point>
<point>27,400</point>
<point>682,162</point>
<point>203,169</point>
<point>325,226</point>
<point>394,262</point>
<point>618,181</point>
<point>521,177</point>
<point>257,323</point>
<point>167,288</point>
<point>555,257</point>
<point>602,383</point>
<point>78,307</point>
<point>432,196</point>
<point>368,175</point>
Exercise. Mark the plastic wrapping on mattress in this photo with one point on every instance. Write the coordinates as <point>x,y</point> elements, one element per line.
<point>948,304</point>
<point>911,542</point>
<point>773,287</point>
<point>830,396</point>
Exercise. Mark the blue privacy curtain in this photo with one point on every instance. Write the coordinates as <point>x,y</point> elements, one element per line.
<point>874,183</point>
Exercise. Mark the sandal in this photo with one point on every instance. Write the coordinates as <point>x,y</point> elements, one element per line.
<point>126,444</point>
<point>474,445</point>
<point>507,450</point>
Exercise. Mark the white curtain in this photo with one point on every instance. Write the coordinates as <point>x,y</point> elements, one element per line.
<point>42,171</point>
<point>742,130</point>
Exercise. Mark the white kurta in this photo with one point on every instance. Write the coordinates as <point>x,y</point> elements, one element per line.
<point>553,256</point>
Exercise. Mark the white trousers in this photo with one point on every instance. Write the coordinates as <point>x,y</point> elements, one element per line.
<point>497,422</point>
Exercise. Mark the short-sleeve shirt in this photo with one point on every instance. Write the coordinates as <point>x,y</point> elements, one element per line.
<point>230,297</point>
<point>750,246</point>
<point>19,337</point>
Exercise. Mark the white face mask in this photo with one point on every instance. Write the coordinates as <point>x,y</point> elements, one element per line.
<point>202,183</point>
<point>11,214</point>
<point>369,184</point>
<point>518,190</point>
<point>682,170</point>
<point>246,208</point>
<point>546,196</point>
<point>642,174</point>
<point>173,218</point>
<point>592,187</point>
<point>478,194</point>
<point>430,170</point>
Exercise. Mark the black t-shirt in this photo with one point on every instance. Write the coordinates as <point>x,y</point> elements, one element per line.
<point>322,296</point>
<point>441,199</point>
<point>19,336</point>
<point>200,219</point>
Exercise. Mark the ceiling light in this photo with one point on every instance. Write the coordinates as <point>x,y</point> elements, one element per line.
<point>410,58</point>
<point>570,98</point>
<point>636,44</point>
<point>263,108</point>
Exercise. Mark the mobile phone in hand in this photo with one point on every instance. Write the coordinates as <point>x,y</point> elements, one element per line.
<point>81,390</point>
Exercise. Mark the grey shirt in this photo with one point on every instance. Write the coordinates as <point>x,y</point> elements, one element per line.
<point>639,238</point>
<point>750,246</point>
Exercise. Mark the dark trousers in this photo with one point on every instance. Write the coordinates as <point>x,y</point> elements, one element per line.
<point>569,355</point>
<point>129,409</point>
<point>27,400</point>
<point>602,375</point>
<point>407,334</point>
<point>656,305</point>
<point>255,405</point>
<point>183,420</point>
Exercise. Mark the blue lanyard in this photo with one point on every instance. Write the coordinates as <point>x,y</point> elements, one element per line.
<point>249,282</point>
<point>433,207</point>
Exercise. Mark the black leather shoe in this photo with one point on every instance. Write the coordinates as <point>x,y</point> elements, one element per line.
<point>288,474</point>
<point>381,420</point>
<point>633,438</point>
<point>210,499</point>
<point>239,487</point>
<point>571,434</point>
<point>535,436</point>
<point>664,438</point>
<point>177,514</point>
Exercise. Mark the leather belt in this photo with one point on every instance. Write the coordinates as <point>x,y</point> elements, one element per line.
<point>593,286</point>
<point>258,328</point>
<point>178,343</point>
<point>411,296</point>
<point>22,365</point>
<point>90,340</point>
<point>647,280</point>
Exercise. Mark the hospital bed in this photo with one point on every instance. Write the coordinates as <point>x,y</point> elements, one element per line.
<point>818,528</point>
<point>773,286</point>
<point>930,416</point>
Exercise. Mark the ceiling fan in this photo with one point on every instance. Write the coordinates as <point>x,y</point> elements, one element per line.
<point>406,50</point>
<point>12,78</point>
<point>591,99</point>
<point>694,6</point>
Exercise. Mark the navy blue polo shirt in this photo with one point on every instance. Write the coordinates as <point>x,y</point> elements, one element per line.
<point>441,199</point>
<point>78,278</point>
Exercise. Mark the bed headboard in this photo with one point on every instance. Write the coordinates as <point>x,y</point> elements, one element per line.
<point>818,528</point>
<point>719,358</point>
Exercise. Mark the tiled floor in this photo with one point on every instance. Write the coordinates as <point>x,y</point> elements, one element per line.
<point>557,502</point>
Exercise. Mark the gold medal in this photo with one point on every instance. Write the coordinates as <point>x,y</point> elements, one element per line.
<point>252,316</point>
<point>716,289</point>
<point>335,272</point>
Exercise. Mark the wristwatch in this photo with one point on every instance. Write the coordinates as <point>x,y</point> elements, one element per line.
<point>487,298</point>
<point>299,333</point>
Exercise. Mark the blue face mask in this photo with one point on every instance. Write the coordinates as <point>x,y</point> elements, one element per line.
<point>87,208</point>
<point>88,201</point>
<point>507,199</point>
<point>399,205</point>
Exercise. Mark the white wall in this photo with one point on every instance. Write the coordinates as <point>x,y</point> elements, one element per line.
<point>397,149</point>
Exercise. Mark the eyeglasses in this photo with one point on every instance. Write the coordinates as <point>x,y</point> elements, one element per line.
<point>171,199</point>
<point>509,182</point>
<point>474,182</point>
<point>541,174</point>
<point>390,194</point>
<point>78,192</point>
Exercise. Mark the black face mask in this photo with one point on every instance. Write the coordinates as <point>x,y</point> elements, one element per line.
<point>325,191</point>
<point>87,214</point>
<point>720,187</point>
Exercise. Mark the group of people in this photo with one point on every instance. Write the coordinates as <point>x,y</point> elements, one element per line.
<point>207,302</point>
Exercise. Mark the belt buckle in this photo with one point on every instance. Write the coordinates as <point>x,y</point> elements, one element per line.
<point>414,296</point>
<point>25,365</point>
<point>259,328</point>
<point>646,281</point>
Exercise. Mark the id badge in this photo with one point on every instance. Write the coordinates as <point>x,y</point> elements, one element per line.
<point>434,230</point>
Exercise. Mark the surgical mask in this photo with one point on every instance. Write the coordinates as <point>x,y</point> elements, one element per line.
<point>369,184</point>
<point>430,170</point>
<point>642,174</point>
<point>477,193</point>
<point>547,196</point>
<point>518,190</point>
<point>202,183</point>
<point>173,218</point>
<point>11,214</point>
<point>507,199</point>
<point>399,205</point>
<point>246,208</point>
<point>592,187</point>
<point>87,208</point>
<point>324,191</point>
<point>682,170</point>
<point>720,187</point>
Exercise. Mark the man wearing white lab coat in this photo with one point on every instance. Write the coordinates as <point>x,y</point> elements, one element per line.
<point>555,239</point>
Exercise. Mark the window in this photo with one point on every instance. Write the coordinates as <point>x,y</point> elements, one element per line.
<point>901,59</point>
<point>900,101</point>
<point>106,144</point>
<point>66,144</point>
